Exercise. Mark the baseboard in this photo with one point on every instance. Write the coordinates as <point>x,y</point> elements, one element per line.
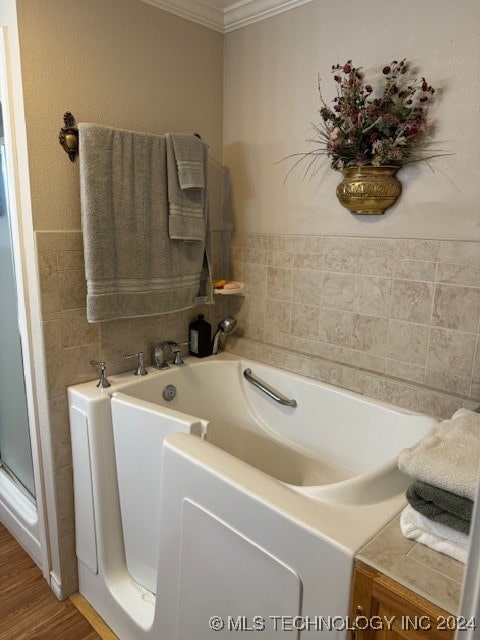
<point>56,586</point>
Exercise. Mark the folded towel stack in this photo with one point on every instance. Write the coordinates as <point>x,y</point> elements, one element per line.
<point>444,467</point>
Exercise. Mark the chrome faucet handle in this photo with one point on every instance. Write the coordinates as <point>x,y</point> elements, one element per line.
<point>103,383</point>
<point>140,370</point>
<point>176,349</point>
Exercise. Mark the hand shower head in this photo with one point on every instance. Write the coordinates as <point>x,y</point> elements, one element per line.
<point>226,326</point>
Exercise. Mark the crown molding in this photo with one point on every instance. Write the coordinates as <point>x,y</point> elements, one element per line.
<point>200,12</point>
<point>225,16</point>
<point>240,14</point>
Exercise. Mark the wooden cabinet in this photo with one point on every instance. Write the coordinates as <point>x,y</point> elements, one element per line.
<point>385,610</point>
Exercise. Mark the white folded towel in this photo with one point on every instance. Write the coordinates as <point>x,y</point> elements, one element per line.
<point>448,456</point>
<point>437,536</point>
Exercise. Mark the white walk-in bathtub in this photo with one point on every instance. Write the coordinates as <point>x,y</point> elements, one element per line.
<point>223,503</point>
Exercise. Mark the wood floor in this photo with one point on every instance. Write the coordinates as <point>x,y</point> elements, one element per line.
<point>28,608</point>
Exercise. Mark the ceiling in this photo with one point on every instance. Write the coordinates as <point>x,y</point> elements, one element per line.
<point>226,15</point>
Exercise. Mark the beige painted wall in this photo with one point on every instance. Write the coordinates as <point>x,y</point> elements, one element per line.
<point>121,63</point>
<point>271,97</point>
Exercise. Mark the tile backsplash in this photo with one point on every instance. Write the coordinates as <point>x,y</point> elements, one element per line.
<point>397,319</point>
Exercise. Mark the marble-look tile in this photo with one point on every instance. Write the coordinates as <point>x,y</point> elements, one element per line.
<point>419,577</point>
<point>313,244</point>
<point>375,256</point>
<point>280,259</point>
<point>341,254</point>
<point>254,256</point>
<point>456,307</point>
<point>255,278</point>
<point>73,289</point>
<point>338,291</point>
<point>304,321</point>
<point>417,249</point>
<point>367,361</point>
<point>436,404</point>
<point>272,357</point>
<point>459,251</point>
<point>68,260</point>
<point>253,311</point>
<point>283,244</point>
<point>279,283</point>
<point>321,349</point>
<point>474,391</point>
<point>328,372</point>
<point>60,432</point>
<point>60,240</point>
<point>412,301</point>
<point>64,501</point>
<point>76,363</point>
<point>401,394</point>
<point>308,261</point>
<point>369,334</point>
<point>297,364</point>
<point>404,370</point>
<point>255,241</point>
<point>407,342</point>
<point>68,563</point>
<point>52,335</point>
<point>447,381</point>
<point>476,361</point>
<point>76,331</point>
<point>278,315</point>
<point>376,265</point>
<point>452,569</point>
<point>373,295</point>
<point>278,338</point>
<point>389,541</point>
<point>307,287</point>
<point>467,275</point>
<point>46,256</point>
<point>335,326</point>
<point>415,270</point>
<point>451,351</point>
<point>49,292</point>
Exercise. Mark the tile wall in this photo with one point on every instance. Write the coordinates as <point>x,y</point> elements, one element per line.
<point>396,319</point>
<point>71,342</point>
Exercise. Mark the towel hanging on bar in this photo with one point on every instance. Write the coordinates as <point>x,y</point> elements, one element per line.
<point>132,266</point>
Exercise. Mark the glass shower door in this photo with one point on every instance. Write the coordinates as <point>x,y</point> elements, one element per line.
<point>15,446</point>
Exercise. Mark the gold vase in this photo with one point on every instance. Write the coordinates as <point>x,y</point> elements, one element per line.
<point>369,190</point>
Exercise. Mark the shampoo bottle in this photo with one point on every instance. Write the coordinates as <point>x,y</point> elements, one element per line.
<point>200,337</point>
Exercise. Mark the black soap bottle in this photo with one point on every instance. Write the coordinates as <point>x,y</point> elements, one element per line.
<point>200,337</point>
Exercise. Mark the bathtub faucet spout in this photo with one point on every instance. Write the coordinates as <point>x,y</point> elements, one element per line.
<point>159,354</point>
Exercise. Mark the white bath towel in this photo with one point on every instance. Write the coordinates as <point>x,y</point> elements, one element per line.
<point>434,535</point>
<point>448,456</point>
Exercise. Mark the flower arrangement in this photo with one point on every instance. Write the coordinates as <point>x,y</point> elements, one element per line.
<point>365,127</point>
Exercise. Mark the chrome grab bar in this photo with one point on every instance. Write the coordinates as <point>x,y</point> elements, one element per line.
<point>271,393</point>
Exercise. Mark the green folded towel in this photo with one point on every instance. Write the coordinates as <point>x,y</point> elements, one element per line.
<point>441,506</point>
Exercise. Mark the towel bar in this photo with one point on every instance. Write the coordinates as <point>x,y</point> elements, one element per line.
<point>68,136</point>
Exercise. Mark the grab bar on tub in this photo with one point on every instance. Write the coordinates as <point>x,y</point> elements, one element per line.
<point>263,386</point>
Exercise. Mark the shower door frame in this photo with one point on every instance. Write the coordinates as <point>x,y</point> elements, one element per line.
<point>29,317</point>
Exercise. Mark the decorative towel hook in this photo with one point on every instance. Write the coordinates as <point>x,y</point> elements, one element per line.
<point>68,136</point>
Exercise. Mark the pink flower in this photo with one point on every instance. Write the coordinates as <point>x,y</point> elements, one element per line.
<point>334,133</point>
<point>347,68</point>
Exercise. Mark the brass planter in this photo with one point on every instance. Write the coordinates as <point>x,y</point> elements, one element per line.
<point>369,190</point>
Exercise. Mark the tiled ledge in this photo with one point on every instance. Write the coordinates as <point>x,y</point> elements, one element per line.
<point>429,573</point>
